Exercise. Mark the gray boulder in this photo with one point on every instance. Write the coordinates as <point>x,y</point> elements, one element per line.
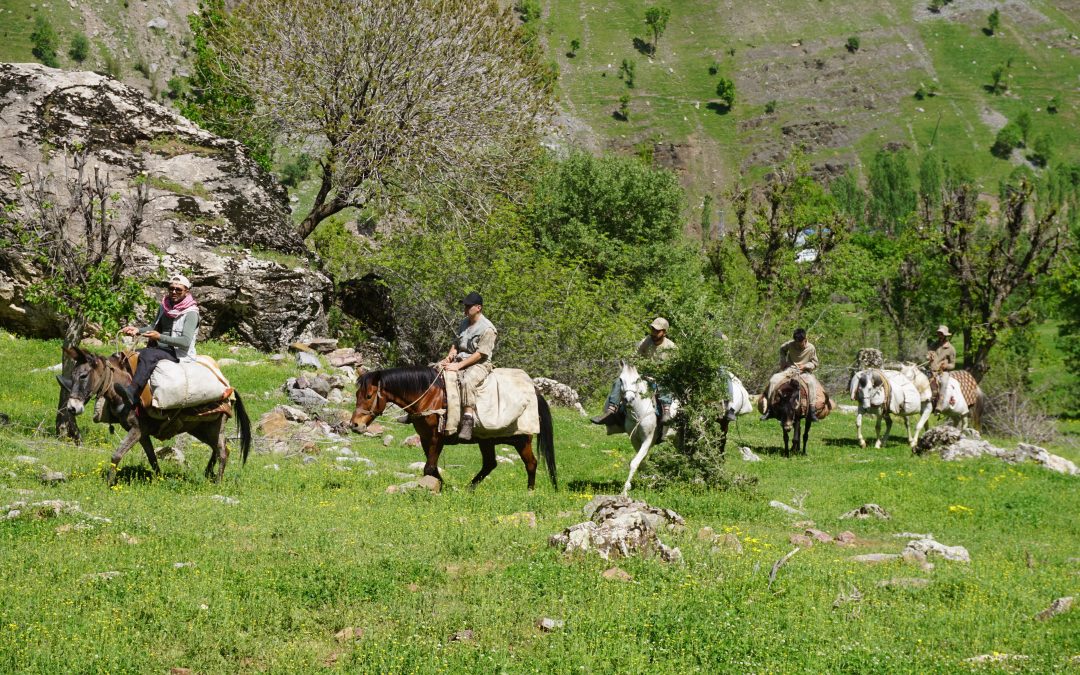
<point>211,205</point>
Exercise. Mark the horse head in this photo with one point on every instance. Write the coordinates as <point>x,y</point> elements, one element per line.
<point>88,379</point>
<point>870,391</point>
<point>370,401</point>
<point>787,403</point>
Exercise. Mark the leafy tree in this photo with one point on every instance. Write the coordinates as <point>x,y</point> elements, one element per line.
<point>656,18</point>
<point>626,72</point>
<point>611,216</point>
<point>1042,150</point>
<point>993,22</point>
<point>431,101</point>
<point>45,40</point>
<point>1023,120</point>
<point>998,85</point>
<point>997,267</point>
<point>79,49</point>
<point>1008,138</point>
<point>852,44</point>
<point>79,233</point>
<point>892,191</point>
<point>575,45</point>
<point>725,91</point>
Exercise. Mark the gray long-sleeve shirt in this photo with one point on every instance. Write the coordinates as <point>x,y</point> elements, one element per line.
<point>178,333</point>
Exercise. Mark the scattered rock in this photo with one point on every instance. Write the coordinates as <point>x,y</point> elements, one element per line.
<point>904,582</point>
<point>462,636</point>
<point>801,540</point>
<point>876,558</point>
<point>547,625</point>
<point>559,394</point>
<point>323,345</point>
<point>308,360</point>
<point>847,598</point>
<point>227,362</point>
<point>225,500</point>
<point>100,576</point>
<point>749,455</point>
<point>292,414</point>
<point>917,558</point>
<point>620,527</point>
<point>128,539</point>
<point>171,453</point>
<point>729,543</point>
<point>867,511</point>
<point>307,398</point>
<point>49,508</point>
<point>387,440</point>
<point>706,534</point>
<point>349,634</point>
<point>786,509</point>
<point>50,477</point>
<point>182,565</point>
<point>502,459</point>
<point>616,574</point>
<point>995,658</point>
<point>344,357</point>
<point>417,466</point>
<point>818,535</point>
<point>845,538</point>
<point>1059,606</point>
<point>179,671</point>
<point>429,483</point>
<point>25,459</point>
<point>928,546</point>
<point>308,459</point>
<point>1039,455</point>
<point>158,23</point>
<point>412,441</point>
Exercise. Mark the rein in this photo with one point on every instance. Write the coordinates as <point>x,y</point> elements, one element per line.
<point>379,393</point>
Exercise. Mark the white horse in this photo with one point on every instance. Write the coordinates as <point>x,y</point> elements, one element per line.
<point>641,422</point>
<point>953,404</point>
<point>885,393</point>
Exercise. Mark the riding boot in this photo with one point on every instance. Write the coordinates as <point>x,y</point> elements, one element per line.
<point>465,432</point>
<point>127,394</point>
<point>665,413</point>
<point>607,417</point>
<point>730,415</point>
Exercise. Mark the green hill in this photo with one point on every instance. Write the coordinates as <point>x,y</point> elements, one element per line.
<point>791,57</point>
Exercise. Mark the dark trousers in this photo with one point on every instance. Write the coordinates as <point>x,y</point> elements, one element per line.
<point>148,360</point>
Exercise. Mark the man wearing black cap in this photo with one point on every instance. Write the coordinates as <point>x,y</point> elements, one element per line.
<point>470,355</point>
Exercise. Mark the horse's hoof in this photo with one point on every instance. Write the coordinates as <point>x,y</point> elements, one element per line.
<point>862,444</point>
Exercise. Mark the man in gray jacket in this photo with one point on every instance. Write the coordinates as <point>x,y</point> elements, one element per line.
<point>171,336</point>
<point>470,355</point>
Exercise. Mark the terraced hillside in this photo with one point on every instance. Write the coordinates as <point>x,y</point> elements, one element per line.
<point>791,57</point>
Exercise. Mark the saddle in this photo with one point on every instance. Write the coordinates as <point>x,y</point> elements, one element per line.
<point>505,405</point>
<point>968,386</point>
<point>823,405</point>
<point>198,388</point>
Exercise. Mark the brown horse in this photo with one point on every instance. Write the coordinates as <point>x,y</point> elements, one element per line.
<point>421,392</point>
<point>790,403</point>
<point>94,376</point>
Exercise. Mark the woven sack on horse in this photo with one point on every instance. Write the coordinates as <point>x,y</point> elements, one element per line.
<point>822,405</point>
<point>505,404</point>
<point>187,384</point>
<point>968,386</point>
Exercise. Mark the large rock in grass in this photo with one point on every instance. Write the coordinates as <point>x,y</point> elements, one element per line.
<point>214,214</point>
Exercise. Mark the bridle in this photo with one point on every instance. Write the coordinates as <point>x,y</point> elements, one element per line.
<point>379,394</point>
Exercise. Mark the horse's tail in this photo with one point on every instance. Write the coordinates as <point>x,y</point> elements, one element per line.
<point>244,423</point>
<point>977,408</point>
<point>547,438</point>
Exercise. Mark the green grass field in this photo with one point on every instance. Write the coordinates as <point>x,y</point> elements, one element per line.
<point>310,550</point>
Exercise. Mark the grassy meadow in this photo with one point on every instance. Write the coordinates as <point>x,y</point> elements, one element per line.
<point>310,550</point>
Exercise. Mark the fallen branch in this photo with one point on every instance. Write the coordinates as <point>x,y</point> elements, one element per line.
<point>778,564</point>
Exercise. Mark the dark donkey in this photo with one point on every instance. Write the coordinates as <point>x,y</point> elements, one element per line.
<point>94,376</point>
<point>790,404</point>
<point>421,392</point>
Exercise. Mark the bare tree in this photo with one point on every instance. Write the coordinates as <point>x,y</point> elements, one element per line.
<point>998,265</point>
<point>403,100</point>
<point>79,233</point>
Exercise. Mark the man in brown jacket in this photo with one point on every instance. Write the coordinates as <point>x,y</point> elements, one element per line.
<point>797,357</point>
<point>942,357</point>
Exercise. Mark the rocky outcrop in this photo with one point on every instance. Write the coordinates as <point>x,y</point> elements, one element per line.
<point>214,214</point>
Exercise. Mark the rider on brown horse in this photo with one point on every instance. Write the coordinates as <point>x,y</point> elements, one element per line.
<point>471,356</point>
<point>796,355</point>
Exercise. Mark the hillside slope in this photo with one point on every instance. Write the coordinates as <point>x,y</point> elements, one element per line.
<point>791,57</point>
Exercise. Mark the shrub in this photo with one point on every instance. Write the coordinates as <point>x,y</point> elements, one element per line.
<point>714,68</point>
<point>575,45</point>
<point>178,87</point>
<point>725,91</point>
<point>993,22</point>
<point>296,171</point>
<point>852,44</point>
<point>1053,105</point>
<point>1009,138</point>
<point>626,72</point>
<point>110,65</point>
<point>998,85</point>
<point>1041,150</point>
<point>80,48</point>
<point>770,107</point>
<point>44,40</point>
<point>624,107</point>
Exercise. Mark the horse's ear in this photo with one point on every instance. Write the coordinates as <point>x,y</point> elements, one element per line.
<point>65,382</point>
<point>876,379</point>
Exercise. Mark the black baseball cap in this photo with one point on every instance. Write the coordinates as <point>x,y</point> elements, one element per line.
<point>472,299</point>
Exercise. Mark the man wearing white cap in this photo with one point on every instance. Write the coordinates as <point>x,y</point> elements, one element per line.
<point>942,356</point>
<point>171,336</point>
<point>655,346</point>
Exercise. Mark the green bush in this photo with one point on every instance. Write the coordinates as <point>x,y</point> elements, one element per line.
<point>45,41</point>
<point>1042,150</point>
<point>852,44</point>
<point>725,91</point>
<point>79,49</point>
<point>296,171</point>
<point>770,107</point>
<point>1008,139</point>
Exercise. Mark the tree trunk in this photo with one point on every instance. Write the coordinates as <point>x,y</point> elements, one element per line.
<point>66,424</point>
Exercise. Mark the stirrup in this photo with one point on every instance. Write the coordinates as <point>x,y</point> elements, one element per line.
<point>466,429</point>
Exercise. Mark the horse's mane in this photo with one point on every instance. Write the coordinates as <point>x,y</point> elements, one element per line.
<point>409,378</point>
